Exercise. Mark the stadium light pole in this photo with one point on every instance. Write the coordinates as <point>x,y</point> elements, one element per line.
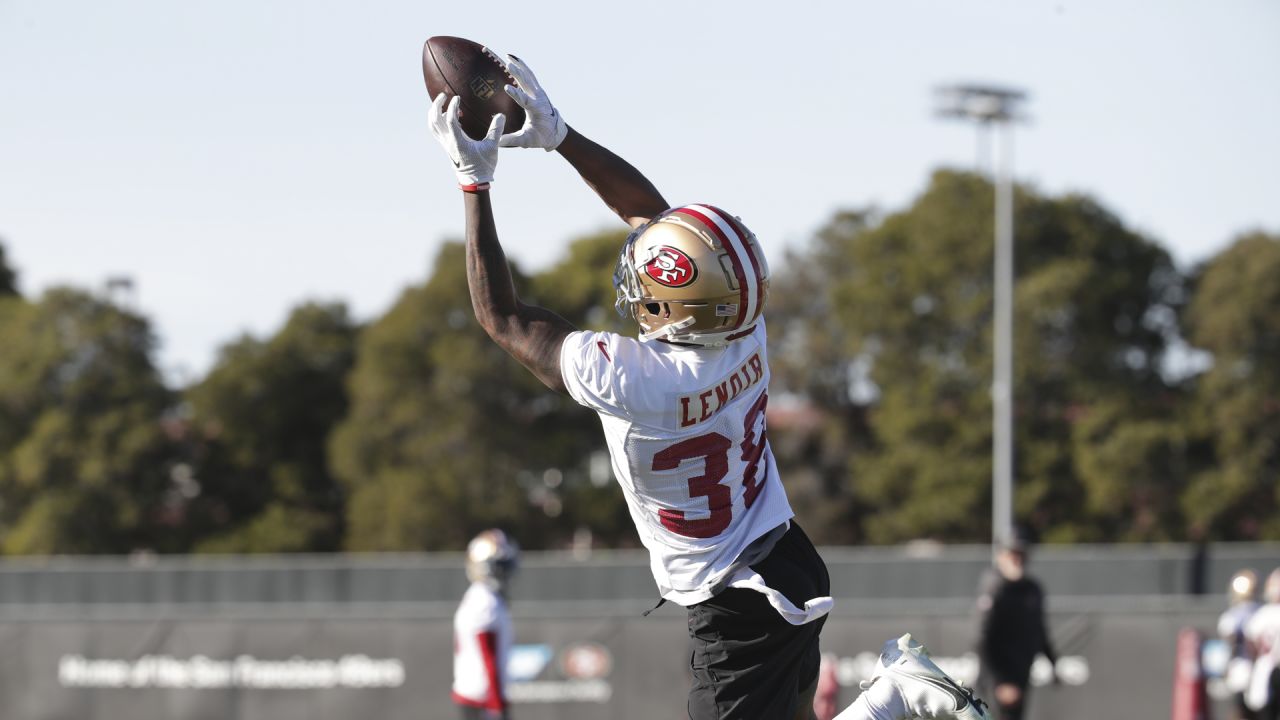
<point>996,108</point>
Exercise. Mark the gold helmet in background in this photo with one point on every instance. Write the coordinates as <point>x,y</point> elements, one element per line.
<point>694,274</point>
<point>492,558</point>
<point>1243,586</point>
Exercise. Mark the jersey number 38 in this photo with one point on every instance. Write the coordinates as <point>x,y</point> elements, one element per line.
<point>714,449</point>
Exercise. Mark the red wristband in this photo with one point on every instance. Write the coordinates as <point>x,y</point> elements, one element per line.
<point>474,188</point>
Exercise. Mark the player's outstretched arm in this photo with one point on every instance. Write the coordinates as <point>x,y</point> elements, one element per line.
<point>531,334</point>
<point>622,187</point>
<point>618,183</point>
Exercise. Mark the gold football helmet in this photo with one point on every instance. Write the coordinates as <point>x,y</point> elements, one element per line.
<point>492,558</point>
<point>1243,586</point>
<point>694,274</point>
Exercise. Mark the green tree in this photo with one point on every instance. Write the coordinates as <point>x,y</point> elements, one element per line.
<point>1132,468</point>
<point>447,434</point>
<point>8,277</point>
<point>432,447</point>
<point>1097,307</point>
<point>262,418</point>
<point>1234,314</point>
<point>819,395</point>
<point>84,461</point>
<point>900,321</point>
<point>580,288</point>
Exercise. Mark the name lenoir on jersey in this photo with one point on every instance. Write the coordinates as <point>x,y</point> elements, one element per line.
<point>702,406</point>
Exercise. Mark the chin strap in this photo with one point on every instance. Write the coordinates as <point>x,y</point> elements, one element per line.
<point>668,330</point>
<point>703,340</point>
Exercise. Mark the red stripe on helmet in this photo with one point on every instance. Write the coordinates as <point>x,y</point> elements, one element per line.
<point>747,248</point>
<point>738,269</point>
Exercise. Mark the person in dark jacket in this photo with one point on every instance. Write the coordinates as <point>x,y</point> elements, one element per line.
<point>1012,630</point>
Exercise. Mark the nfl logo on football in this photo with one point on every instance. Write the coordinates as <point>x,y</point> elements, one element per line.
<point>482,88</point>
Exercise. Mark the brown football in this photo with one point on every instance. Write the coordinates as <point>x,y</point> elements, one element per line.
<point>456,66</point>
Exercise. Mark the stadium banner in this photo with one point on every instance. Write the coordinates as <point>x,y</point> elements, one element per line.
<point>1111,665</point>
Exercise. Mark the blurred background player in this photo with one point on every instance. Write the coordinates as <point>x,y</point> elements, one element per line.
<point>1242,594</point>
<point>1011,628</point>
<point>1262,634</point>
<point>482,633</point>
<point>682,408</point>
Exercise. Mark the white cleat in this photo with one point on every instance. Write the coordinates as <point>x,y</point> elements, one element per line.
<point>927,692</point>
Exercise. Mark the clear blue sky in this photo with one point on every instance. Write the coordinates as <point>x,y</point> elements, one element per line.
<point>238,157</point>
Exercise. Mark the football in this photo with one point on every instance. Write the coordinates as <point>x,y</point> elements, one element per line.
<point>456,66</point>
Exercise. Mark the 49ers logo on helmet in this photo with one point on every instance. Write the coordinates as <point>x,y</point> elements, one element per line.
<point>671,267</point>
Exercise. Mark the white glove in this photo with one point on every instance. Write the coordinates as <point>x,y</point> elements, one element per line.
<point>473,160</point>
<point>543,126</point>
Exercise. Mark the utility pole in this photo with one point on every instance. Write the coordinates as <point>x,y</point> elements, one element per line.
<point>995,108</point>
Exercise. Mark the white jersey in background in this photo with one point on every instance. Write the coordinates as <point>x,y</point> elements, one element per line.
<point>685,427</point>
<point>478,663</point>
<point>1263,630</point>
<point>1232,621</point>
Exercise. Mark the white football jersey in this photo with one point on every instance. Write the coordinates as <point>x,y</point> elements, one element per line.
<point>482,610</point>
<point>685,427</point>
<point>1232,621</point>
<point>1263,630</point>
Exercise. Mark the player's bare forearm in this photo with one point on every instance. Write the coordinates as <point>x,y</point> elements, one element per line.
<point>622,187</point>
<point>531,334</point>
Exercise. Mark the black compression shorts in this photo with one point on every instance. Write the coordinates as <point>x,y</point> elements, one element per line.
<point>748,662</point>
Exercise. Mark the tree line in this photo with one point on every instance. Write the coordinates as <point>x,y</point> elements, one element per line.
<point>1147,400</point>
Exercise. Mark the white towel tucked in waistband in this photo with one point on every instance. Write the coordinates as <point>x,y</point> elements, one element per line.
<point>749,579</point>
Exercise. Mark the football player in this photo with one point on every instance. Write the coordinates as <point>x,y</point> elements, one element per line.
<point>683,411</point>
<point>482,628</point>
<point>1242,591</point>
<point>1262,632</point>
